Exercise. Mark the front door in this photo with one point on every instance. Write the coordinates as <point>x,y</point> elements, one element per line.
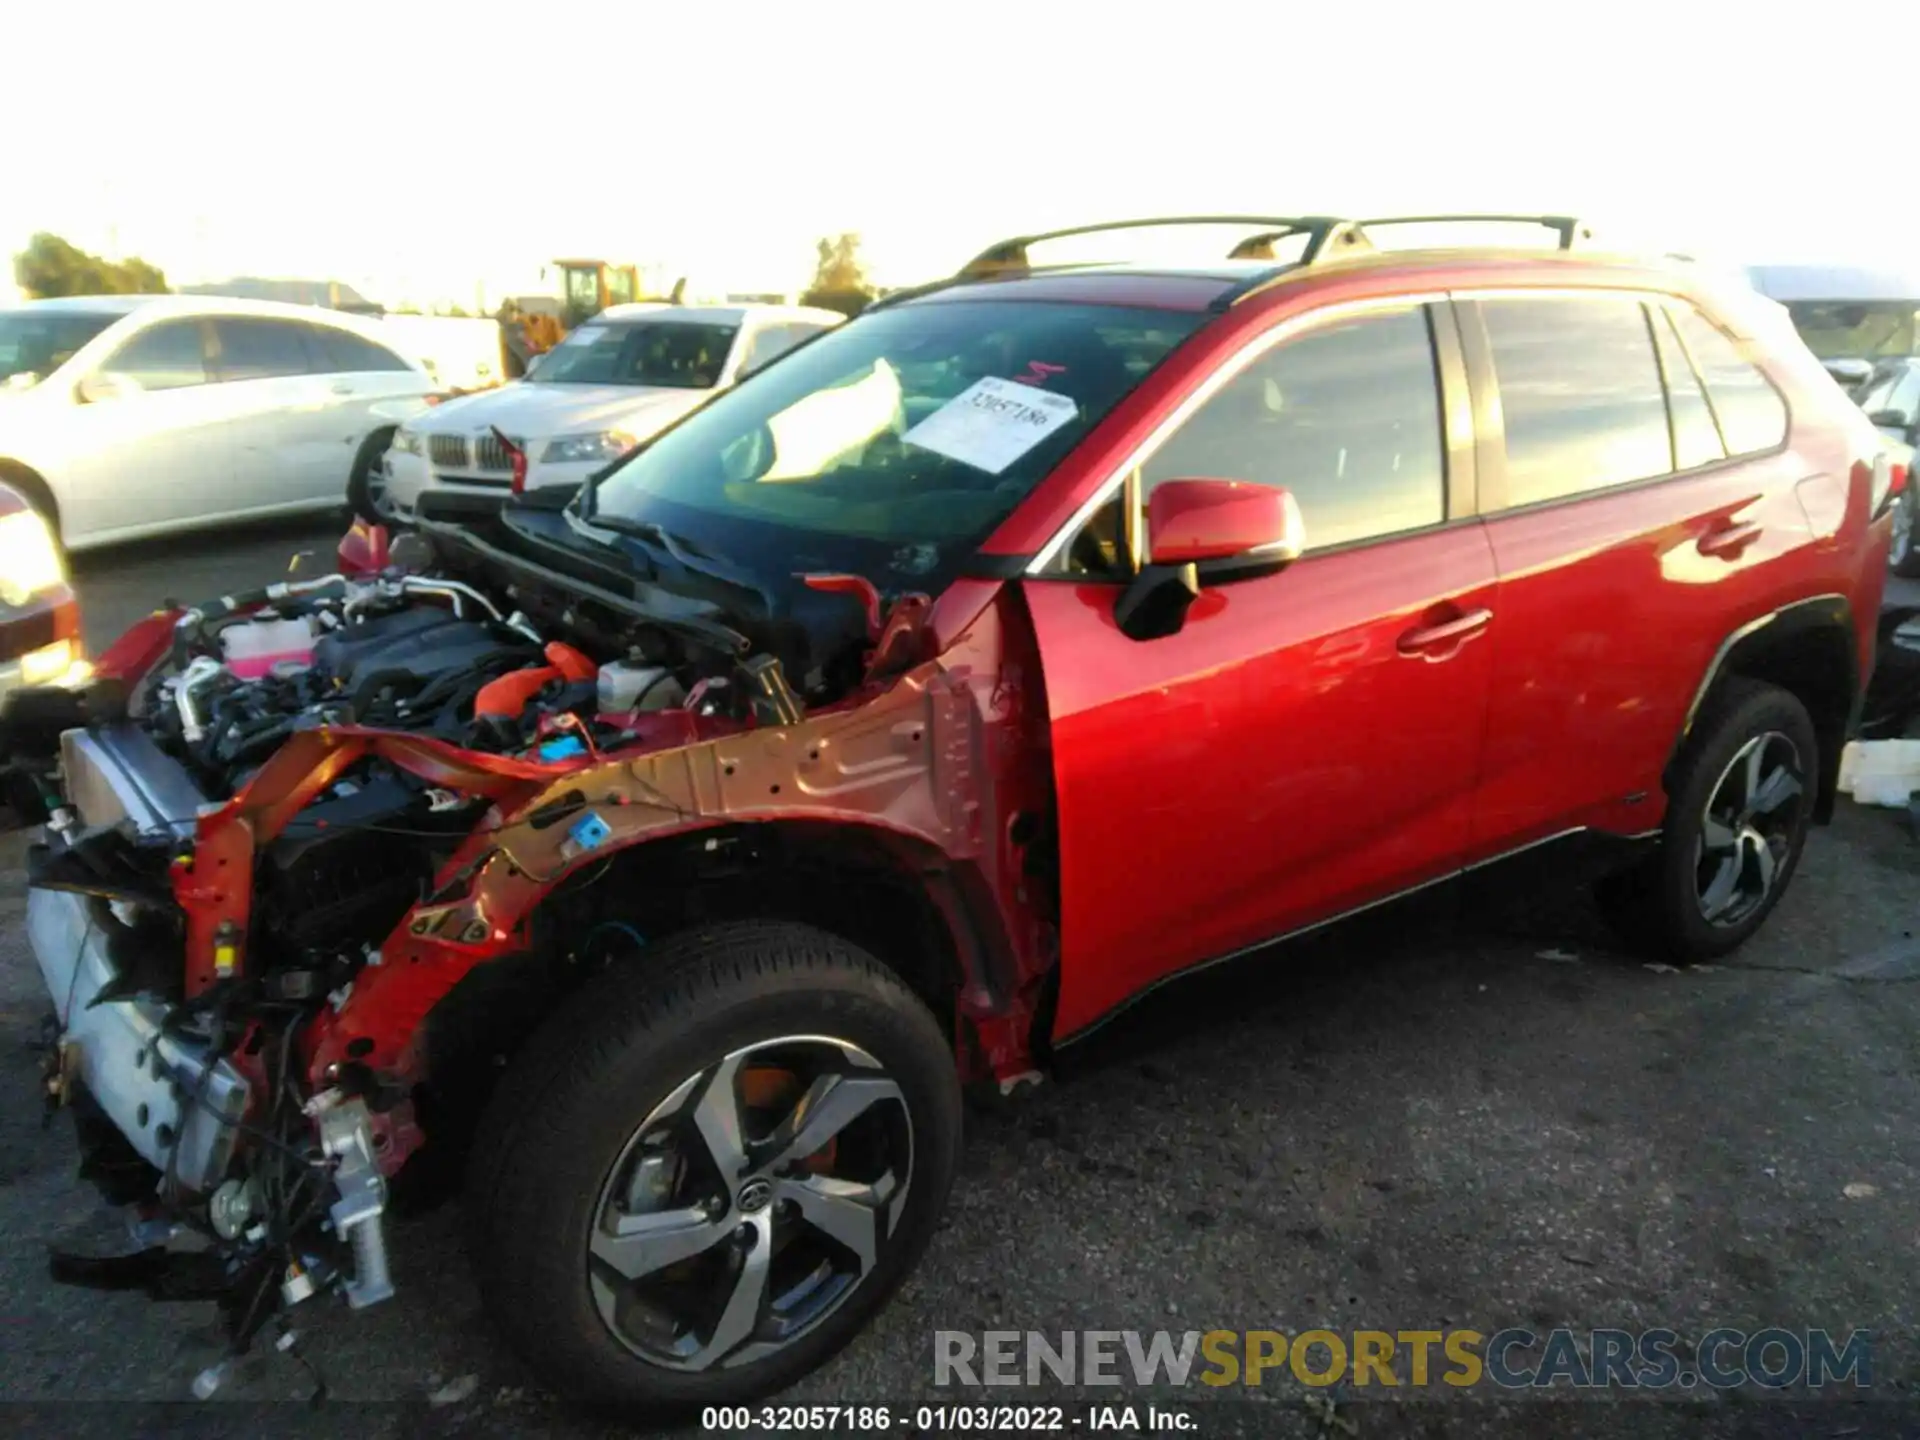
<point>157,450</point>
<point>1308,743</point>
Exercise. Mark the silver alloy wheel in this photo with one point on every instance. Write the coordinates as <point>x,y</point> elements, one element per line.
<point>377,485</point>
<point>751,1203</point>
<point>1747,828</point>
<point>1902,544</point>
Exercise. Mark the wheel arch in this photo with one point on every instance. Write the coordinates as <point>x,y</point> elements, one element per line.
<point>928,918</point>
<point>1807,648</point>
<point>32,484</point>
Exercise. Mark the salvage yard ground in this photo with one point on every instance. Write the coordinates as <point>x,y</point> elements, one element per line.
<point>1509,1124</point>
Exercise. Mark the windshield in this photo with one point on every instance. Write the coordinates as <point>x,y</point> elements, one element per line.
<point>1857,329</point>
<point>35,343</point>
<point>893,445</point>
<point>675,354</point>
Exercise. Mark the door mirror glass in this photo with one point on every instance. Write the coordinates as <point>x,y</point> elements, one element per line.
<point>1192,522</point>
<point>1891,419</point>
<point>106,385</point>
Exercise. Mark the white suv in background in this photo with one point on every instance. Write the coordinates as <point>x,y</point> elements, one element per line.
<point>123,416</point>
<point>617,380</point>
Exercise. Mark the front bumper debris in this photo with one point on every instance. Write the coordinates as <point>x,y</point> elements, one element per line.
<point>178,1105</point>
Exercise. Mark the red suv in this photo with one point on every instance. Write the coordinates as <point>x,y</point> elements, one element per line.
<point>676,851</point>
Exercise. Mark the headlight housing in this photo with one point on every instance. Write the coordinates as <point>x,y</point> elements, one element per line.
<point>407,442</point>
<point>601,446</point>
<point>30,562</point>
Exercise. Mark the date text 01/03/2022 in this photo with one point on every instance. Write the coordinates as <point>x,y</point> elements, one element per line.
<point>932,1419</point>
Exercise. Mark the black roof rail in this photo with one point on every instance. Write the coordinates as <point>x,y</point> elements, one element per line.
<point>1010,255</point>
<point>1567,227</point>
<point>1328,237</point>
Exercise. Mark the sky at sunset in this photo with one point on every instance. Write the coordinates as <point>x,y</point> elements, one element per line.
<point>436,152</point>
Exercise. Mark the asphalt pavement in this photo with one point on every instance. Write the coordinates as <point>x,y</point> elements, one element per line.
<point>1503,1123</point>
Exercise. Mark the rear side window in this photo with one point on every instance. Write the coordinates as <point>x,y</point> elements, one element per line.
<point>1751,413</point>
<point>1347,417</point>
<point>167,356</point>
<point>1581,393</point>
<point>342,352</point>
<point>1696,439</point>
<point>252,348</point>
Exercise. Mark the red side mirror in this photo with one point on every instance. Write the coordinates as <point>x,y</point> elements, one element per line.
<point>1190,521</point>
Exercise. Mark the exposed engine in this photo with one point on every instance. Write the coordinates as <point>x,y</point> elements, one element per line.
<point>431,656</point>
<point>145,763</point>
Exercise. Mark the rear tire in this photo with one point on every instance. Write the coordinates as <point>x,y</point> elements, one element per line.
<point>1745,785</point>
<point>604,1131</point>
<point>363,489</point>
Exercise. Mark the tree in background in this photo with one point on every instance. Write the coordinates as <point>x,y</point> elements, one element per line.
<point>840,277</point>
<point>49,266</point>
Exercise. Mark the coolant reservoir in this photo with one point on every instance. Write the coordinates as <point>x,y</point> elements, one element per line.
<point>257,647</point>
<point>625,686</point>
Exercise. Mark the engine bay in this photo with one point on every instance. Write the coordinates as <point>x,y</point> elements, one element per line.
<point>193,707</point>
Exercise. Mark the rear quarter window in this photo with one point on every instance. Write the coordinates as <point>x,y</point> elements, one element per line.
<point>1751,414</point>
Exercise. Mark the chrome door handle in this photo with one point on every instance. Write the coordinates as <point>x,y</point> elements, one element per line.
<point>1446,635</point>
<point>1729,540</point>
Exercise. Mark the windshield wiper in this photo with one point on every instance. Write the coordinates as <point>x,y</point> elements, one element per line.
<point>686,553</point>
<point>678,546</point>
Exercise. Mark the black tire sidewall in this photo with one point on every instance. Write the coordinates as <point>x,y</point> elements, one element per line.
<point>1745,710</point>
<point>359,500</point>
<point>546,1188</point>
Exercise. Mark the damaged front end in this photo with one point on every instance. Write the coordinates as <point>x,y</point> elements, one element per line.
<point>285,828</point>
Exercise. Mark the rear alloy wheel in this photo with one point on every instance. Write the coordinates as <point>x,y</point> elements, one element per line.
<point>711,1166</point>
<point>1736,824</point>
<point>1748,830</point>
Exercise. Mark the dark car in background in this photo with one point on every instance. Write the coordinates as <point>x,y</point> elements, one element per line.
<point>1864,325</point>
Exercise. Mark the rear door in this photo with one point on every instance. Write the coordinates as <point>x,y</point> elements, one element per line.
<point>287,426</point>
<point>1639,496</point>
<point>159,452</point>
<point>1308,743</point>
<point>370,388</point>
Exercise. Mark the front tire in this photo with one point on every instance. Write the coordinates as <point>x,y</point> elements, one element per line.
<point>712,1166</point>
<point>1736,825</point>
<point>367,484</point>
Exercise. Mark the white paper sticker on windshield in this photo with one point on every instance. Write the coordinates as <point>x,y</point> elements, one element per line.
<point>585,335</point>
<point>992,423</point>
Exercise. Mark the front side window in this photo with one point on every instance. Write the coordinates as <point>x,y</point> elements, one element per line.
<point>1347,417</point>
<point>676,355</point>
<point>1751,413</point>
<point>1581,394</point>
<point>254,348</point>
<point>892,445</point>
<point>35,343</point>
<point>167,356</point>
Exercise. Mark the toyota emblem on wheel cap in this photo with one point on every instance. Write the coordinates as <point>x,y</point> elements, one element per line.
<point>754,1196</point>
